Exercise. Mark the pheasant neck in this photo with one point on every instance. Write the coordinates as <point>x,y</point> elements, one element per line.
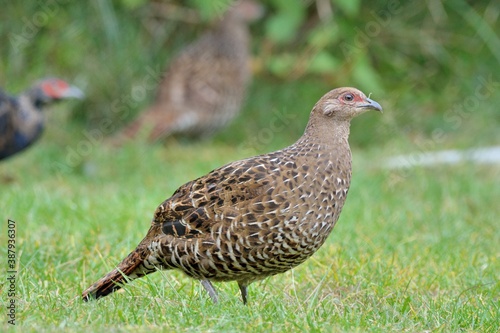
<point>334,133</point>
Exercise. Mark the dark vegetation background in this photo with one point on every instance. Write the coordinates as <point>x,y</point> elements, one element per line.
<point>424,61</point>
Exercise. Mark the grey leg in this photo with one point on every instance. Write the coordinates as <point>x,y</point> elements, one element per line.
<point>243,290</point>
<point>211,290</point>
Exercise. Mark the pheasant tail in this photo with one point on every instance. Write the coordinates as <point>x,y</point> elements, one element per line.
<point>131,268</point>
<point>153,123</point>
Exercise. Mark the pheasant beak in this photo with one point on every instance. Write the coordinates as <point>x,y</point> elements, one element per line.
<point>371,104</point>
<point>74,92</point>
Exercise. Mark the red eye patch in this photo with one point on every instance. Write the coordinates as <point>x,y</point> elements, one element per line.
<point>358,98</point>
<point>350,97</point>
<point>54,88</point>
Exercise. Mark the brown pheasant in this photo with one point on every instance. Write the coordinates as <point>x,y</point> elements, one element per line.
<point>204,86</point>
<point>21,118</point>
<point>256,217</point>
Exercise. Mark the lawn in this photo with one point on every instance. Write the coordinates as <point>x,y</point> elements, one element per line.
<point>414,250</point>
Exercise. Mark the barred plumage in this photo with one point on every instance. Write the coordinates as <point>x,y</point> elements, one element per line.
<point>256,217</point>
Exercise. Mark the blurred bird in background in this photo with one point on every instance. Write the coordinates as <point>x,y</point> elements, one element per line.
<point>204,86</point>
<point>21,117</point>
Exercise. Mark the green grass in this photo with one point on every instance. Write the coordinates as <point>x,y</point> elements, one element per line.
<point>413,251</point>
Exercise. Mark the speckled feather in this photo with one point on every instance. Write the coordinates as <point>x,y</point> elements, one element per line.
<point>256,217</point>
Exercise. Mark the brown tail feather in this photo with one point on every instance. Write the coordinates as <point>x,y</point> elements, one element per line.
<point>154,124</point>
<point>131,268</point>
<point>115,279</point>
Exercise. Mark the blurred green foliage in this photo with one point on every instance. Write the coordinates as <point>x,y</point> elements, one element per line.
<point>422,60</point>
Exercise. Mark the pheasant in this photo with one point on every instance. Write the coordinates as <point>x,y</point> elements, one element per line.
<point>204,86</point>
<point>253,218</point>
<point>21,118</point>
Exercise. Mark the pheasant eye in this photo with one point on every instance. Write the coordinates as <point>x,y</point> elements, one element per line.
<point>348,97</point>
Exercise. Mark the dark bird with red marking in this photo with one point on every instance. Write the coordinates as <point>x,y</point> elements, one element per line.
<point>257,217</point>
<point>21,117</point>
